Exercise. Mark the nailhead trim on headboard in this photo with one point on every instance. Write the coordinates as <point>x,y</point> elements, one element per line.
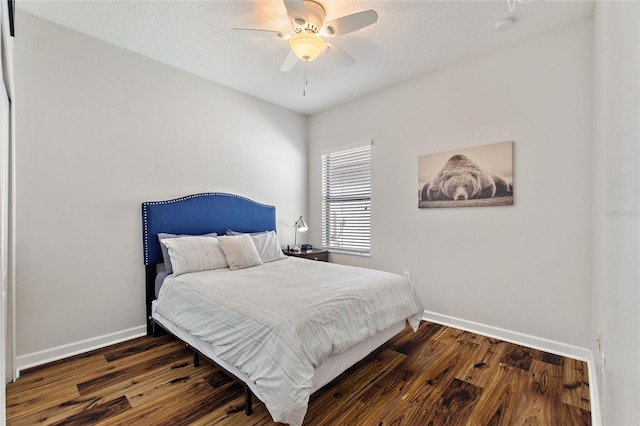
<point>145,240</point>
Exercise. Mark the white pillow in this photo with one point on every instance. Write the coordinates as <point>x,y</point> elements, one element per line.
<point>268,246</point>
<point>240,251</point>
<point>165,251</point>
<point>195,254</point>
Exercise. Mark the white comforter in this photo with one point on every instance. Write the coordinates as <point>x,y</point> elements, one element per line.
<point>278,321</point>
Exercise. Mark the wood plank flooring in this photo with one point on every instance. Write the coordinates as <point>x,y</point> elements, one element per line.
<point>437,376</point>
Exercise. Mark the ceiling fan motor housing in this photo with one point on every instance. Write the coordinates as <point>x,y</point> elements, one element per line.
<point>315,18</point>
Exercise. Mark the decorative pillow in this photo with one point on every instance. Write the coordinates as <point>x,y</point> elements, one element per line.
<point>268,246</point>
<point>165,251</point>
<point>195,254</point>
<point>240,251</point>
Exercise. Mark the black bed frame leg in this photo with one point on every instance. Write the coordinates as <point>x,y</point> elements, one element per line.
<point>196,359</point>
<point>248,410</point>
<point>156,329</point>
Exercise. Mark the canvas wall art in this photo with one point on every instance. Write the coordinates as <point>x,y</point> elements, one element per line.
<point>467,177</point>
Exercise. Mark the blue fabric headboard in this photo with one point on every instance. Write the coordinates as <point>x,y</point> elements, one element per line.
<point>201,214</point>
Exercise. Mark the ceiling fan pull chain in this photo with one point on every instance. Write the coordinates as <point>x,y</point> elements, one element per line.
<point>305,80</point>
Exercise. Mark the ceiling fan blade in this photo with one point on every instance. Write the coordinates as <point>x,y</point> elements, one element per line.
<point>289,62</point>
<point>261,33</point>
<point>339,56</point>
<point>350,23</point>
<point>297,11</point>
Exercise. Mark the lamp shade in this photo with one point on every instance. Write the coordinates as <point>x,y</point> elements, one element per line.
<point>306,46</point>
<point>300,225</point>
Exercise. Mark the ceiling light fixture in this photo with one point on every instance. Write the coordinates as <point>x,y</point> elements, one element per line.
<point>307,46</point>
<point>512,3</point>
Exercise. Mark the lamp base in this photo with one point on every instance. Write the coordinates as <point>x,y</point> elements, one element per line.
<point>295,248</point>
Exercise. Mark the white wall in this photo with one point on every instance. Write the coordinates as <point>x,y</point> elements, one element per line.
<point>101,129</point>
<point>524,268</point>
<point>616,212</point>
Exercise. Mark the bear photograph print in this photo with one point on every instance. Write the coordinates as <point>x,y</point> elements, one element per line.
<point>467,177</point>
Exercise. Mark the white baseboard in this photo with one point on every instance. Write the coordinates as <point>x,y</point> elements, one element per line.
<point>534,342</point>
<point>596,415</point>
<point>49,355</point>
<point>551,346</point>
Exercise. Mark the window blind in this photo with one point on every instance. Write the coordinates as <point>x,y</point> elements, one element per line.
<point>346,200</point>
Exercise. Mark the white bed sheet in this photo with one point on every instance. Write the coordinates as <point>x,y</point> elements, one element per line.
<point>279,321</point>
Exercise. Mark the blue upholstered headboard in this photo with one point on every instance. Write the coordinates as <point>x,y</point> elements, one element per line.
<point>201,214</point>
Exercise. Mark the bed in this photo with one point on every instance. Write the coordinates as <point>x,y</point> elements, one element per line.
<point>282,326</point>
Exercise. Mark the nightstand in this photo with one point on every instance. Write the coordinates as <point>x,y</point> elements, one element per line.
<point>313,254</point>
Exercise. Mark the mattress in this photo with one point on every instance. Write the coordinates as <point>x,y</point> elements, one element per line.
<point>278,322</point>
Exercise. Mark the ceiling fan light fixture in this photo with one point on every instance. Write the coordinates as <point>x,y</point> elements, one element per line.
<point>306,46</point>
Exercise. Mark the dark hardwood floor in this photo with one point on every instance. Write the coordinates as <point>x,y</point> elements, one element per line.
<point>437,376</point>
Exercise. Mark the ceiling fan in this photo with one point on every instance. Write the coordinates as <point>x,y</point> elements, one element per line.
<point>309,30</point>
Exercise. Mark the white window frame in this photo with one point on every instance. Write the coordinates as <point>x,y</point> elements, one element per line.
<point>346,216</point>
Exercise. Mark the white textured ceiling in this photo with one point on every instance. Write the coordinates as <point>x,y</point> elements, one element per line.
<point>411,37</point>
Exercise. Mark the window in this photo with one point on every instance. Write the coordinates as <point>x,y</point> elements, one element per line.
<point>346,199</point>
